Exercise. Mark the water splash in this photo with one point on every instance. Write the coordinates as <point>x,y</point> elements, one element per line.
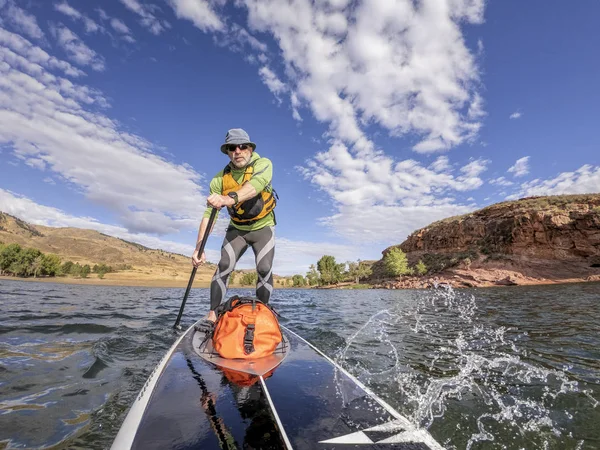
<point>376,329</point>
<point>440,353</point>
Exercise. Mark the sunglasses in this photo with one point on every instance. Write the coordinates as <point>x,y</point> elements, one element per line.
<point>233,147</point>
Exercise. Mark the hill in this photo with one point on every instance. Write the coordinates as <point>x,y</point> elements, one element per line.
<point>149,266</point>
<point>534,240</point>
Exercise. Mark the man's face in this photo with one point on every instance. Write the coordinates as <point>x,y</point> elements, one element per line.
<point>240,155</point>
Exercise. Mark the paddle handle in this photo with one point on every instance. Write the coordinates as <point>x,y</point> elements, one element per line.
<point>213,214</point>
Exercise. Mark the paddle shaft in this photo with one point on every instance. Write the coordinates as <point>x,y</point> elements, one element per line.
<point>213,214</point>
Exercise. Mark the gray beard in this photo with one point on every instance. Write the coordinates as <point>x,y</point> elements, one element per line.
<point>241,167</point>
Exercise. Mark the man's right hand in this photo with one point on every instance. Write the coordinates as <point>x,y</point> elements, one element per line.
<point>196,261</point>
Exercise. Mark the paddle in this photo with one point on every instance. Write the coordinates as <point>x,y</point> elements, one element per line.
<point>213,214</point>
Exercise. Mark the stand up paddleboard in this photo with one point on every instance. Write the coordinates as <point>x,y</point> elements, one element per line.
<point>296,398</point>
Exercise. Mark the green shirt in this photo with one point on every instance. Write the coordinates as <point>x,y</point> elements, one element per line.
<point>261,178</point>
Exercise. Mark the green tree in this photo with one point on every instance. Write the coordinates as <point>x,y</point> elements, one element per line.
<point>101,269</point>
<point>249,279</point>
<point>395,262</point>
<point>298,281</point>
<point>23,266</point>
<point>85,271</point>
<point>358,270</point>
<point>312,276</point>
<point>9,255</point>
<point>75,270</point>
<point>98,268</point>
<point>37,266</point>
<point>51,265</point>
<point>364,270</point>
<point>232,277</point>
<point>421,268</point>
<point>65,269</point>
<point>330,271</point>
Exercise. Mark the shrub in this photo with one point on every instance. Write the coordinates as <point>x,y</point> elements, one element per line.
<point>421,268</point>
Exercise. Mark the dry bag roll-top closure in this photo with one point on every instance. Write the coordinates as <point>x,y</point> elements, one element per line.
<point>246,328</point>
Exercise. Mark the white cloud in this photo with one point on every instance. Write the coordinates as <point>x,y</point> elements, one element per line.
<point>441,164</point>
<point>521,167</point>
<point>398,63</point>
<point>397,197</point>
<point>35,55</point>
<point>119,26</point>
<point>515,115</point>
<point>76,49</point>
<point>501,181</point>
<point>475,168</point>
<point>275,85</point>
<point>68,10</point>
<point>585,180</point>
<point>199,12</point>
<point>476,110</point>
<point>116,24</point>
<point>46,123</point>
<point>24,21</point>
<point>147,18</point>
<point>295,105</point>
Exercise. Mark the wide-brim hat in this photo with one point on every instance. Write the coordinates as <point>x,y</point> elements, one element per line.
<point>237,136</point>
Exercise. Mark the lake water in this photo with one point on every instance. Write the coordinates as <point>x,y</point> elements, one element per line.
<point>500,368</point>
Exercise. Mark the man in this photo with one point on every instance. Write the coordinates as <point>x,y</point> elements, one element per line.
<point>244,187</point>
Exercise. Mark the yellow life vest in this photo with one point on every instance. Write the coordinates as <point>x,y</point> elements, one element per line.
<point>253,209</point>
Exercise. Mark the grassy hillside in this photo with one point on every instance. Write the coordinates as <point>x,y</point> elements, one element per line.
<point>149,266</point>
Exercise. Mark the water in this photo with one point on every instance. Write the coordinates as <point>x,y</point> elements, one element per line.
<point>506,368</point>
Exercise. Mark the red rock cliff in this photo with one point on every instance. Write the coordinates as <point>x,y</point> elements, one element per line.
<point>555,238</point>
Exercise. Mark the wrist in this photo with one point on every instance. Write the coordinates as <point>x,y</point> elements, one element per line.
<point>234,198</point>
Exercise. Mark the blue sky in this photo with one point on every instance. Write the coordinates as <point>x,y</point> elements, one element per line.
<point>380,116</point>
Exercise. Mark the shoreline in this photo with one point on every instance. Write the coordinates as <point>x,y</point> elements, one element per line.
<point>388,285</point>
<point>129,282</point>
<point>109,282</point>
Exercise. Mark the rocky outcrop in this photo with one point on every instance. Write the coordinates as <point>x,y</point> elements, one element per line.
<point>529,241</point>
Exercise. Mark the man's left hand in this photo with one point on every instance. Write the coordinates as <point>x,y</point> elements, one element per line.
<point>218,201</point>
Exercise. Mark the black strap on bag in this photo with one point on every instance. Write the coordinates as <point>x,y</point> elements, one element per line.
<point>249,334</point>
<point>249,339</point>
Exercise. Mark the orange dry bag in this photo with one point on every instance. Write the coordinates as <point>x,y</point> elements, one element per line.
<point>246,328</point>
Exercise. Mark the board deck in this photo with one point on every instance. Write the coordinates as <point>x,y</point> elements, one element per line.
<point>305,402</point>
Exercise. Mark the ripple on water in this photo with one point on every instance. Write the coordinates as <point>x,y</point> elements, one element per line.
<point>33,394</point>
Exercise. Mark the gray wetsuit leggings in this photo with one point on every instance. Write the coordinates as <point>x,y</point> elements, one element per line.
<point>236,242</point>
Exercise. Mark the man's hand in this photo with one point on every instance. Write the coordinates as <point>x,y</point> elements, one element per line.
<point>196,261</point>
<point>218,201</point>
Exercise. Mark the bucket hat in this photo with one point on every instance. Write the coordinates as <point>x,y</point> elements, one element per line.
<point>237,136</point>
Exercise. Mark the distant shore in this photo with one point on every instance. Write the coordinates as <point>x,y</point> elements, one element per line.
<point>407,283</point>
<point>158,283</point>
<point>95,281</point>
